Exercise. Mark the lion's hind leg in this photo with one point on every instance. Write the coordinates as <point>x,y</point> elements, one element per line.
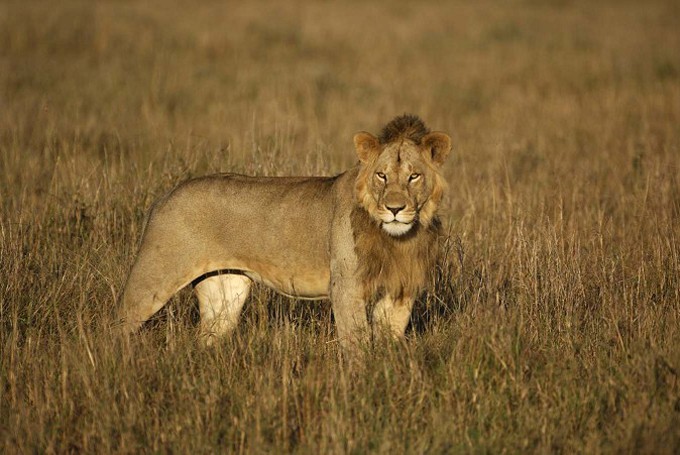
<point>220,300</point>
<point>157,274</point>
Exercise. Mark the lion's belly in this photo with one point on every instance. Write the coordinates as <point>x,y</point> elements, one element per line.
<point>307,283</point>
<point>310,282</point>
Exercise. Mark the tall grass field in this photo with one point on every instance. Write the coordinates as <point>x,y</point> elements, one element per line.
<point>552,323</point>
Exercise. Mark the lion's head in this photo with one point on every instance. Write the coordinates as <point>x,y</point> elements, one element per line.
<point>399,183</point>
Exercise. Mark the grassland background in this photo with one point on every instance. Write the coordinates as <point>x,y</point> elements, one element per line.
<point>554,321</point>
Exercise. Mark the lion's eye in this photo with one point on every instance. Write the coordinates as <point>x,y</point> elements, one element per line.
<point>381,176</point>
<point>413,177</point>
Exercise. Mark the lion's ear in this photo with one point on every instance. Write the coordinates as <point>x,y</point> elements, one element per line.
<point>366,145</point>
<point>438,145</point>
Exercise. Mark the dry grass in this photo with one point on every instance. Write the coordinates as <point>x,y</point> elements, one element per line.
<point>553,325</point>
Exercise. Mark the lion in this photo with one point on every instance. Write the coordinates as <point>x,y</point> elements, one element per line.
<point>366,238</point>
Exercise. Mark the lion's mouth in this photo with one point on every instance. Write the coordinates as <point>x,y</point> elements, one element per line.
<point>396,228</point>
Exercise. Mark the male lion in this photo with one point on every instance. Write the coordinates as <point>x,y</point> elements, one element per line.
<point>366,236</point>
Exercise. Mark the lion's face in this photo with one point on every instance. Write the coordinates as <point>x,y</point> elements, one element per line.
<point>399,183</point>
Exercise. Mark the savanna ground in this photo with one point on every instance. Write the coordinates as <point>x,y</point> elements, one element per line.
<point>553,324</point>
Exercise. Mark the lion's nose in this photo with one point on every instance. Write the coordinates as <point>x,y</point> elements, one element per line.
<point>395,209</point>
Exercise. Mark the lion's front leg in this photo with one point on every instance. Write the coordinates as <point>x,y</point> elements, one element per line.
<point>393,314</point>
<point>350,320</point>
<point>349,308</point>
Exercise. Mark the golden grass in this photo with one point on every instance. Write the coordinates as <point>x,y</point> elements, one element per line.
<point>554,321</point>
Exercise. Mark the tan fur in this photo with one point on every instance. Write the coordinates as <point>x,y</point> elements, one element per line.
<point>367,235</point>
